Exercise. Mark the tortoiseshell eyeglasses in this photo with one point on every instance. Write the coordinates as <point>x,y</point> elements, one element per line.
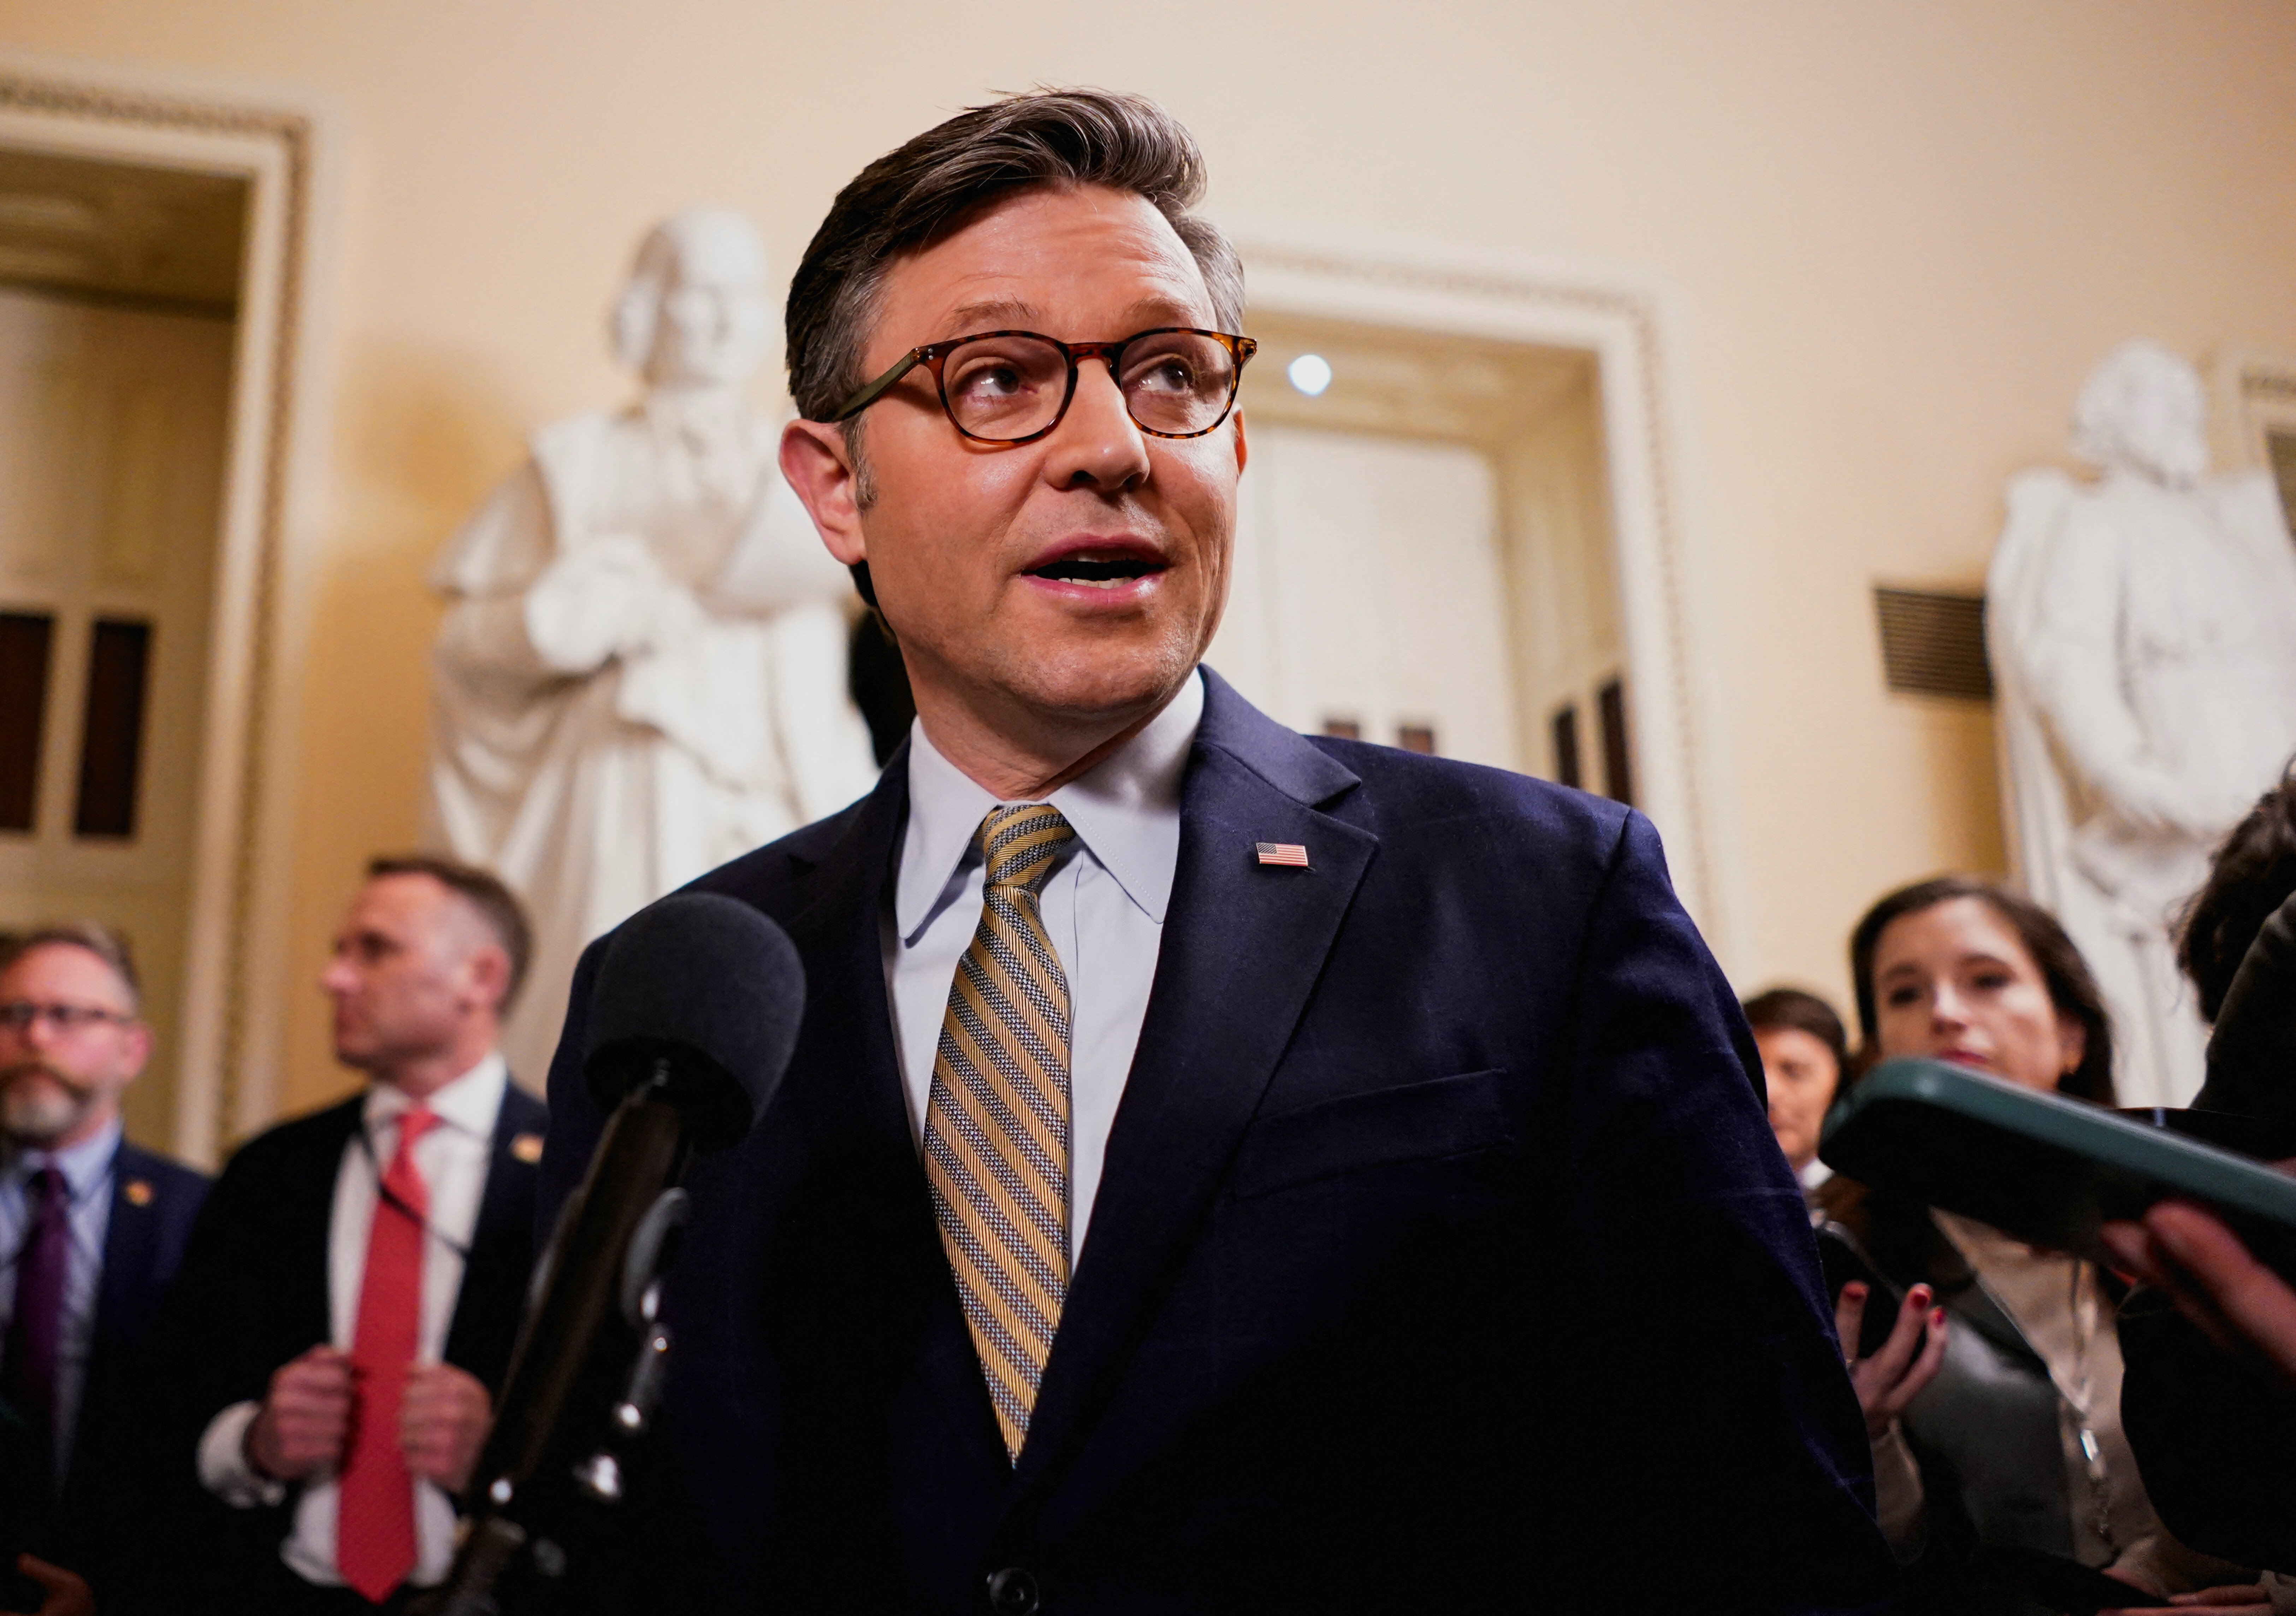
<point>1014,386</point>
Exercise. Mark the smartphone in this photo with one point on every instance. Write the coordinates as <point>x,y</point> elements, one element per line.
<point>2043,1168</point>
<point>1844,1260</point>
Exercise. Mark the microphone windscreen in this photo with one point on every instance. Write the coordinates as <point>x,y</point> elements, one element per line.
<point>710,983</point>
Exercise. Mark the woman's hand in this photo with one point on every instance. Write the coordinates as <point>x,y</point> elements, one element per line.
<point>1909,1360</point>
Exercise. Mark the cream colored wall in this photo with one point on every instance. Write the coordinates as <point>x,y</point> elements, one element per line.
<point>1899,230</point>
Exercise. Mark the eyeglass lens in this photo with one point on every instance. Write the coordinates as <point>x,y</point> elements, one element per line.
<point>1010,387</point>
<point>19,1013</point>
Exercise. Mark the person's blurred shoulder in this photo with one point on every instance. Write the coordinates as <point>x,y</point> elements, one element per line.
<point>288,1142</point>
<point>166,1182</point>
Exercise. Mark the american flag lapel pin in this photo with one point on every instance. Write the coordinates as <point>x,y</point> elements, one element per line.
<point>1290,854</point>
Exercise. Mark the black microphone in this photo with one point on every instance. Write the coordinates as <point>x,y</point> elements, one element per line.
<point>692,1018</point>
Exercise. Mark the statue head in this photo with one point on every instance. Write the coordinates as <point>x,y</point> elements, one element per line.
<point>2143,410</point>
<point>694,312</point>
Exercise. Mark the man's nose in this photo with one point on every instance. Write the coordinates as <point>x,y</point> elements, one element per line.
<point>337,977</point>
<point>1097,443</point>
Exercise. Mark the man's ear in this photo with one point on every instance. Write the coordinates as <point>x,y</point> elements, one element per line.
<point>139,1036</point>
<point>820,467</point>
<point>490,975</point>
<point>2072,1045</point>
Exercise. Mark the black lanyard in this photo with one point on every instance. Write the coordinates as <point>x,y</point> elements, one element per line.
<point>394,1199</point>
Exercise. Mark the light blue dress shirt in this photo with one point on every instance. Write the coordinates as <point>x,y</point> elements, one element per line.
<point>87,1168</point>
<point>1102,908</point>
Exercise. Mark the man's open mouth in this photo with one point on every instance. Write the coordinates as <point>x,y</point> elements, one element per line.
<point>1098,573</point>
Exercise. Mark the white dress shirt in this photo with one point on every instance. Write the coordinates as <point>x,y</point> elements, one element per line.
<point>87,1170</point>
<point>453,1158</point>
<point>1103,911</point>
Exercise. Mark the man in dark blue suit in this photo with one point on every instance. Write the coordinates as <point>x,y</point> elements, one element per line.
<point>92,1231</point>
<point>1220,1170</point>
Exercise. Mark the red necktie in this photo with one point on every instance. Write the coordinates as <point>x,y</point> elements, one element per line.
<point>374,1520</point>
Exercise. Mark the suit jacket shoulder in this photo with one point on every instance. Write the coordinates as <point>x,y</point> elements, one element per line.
<point>174,1184</point>
<point>294,1146</point>
<point>521,1113</point>
<point>1410,787</point>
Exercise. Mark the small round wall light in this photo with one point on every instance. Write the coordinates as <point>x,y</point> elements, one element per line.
<point>1311,373</point>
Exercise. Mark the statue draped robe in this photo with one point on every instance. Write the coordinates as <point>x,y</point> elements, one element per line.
<point>641,674</point>
<point>2144,648</point>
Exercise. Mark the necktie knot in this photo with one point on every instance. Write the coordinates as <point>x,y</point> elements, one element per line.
<point>1020,843</point>
<point>49,1193</point>
<point>414,1122</point>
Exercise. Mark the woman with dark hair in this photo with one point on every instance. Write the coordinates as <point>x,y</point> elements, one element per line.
<point>2017,1440</point>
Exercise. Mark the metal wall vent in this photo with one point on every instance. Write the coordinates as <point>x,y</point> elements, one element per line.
<point>1933,643</point>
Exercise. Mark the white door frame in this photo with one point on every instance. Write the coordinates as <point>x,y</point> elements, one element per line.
<point>236,961</point>
<point>1627,322</point>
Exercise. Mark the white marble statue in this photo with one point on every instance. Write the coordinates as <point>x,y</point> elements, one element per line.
<point>642,669</point>
<point>2143,630</point>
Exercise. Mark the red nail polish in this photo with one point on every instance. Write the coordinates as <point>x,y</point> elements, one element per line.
<point>1937,1315</point>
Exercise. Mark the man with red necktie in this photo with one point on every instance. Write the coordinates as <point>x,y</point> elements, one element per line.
<point>349,1299</point>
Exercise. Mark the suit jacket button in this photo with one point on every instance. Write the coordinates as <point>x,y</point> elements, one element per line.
<point>1012,1592</point>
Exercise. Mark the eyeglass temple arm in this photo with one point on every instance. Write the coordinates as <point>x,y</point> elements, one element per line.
<point>870,393</point>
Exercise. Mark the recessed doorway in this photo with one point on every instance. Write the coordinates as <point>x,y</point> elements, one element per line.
<point>118,322</point>
<point>1423,552</point>
<point>161,244</point>
<point>1561,374</point>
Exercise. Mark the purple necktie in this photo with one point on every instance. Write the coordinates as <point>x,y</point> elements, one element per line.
<point>28,1361</point>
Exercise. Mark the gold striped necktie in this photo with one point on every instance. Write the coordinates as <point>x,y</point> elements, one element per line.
<point>997,1123</point>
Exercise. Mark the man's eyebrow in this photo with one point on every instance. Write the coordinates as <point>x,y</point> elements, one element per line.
<point>1010,314</point>
<point>995,313</point>
<point>1151,312</point>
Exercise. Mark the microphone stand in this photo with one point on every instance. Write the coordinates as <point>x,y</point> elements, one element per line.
<point>588,1371</point>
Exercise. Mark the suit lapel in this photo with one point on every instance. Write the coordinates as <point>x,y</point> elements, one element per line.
<point>308,1261</point>
<point>491,1297</point>
<point>131,1243</point>
<point>1243,945</point>
<point>855,1089</point>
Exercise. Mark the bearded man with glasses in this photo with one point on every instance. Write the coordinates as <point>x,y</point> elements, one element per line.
<point>92,1233</point>
<point>1220,1169</point>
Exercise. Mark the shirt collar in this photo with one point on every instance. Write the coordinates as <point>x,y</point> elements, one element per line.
<point>1126,809</point>
<point>469,1102</point>
<point>83,1165</point>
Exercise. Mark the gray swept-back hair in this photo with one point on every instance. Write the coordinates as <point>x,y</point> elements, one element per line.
<point>106,944</point>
